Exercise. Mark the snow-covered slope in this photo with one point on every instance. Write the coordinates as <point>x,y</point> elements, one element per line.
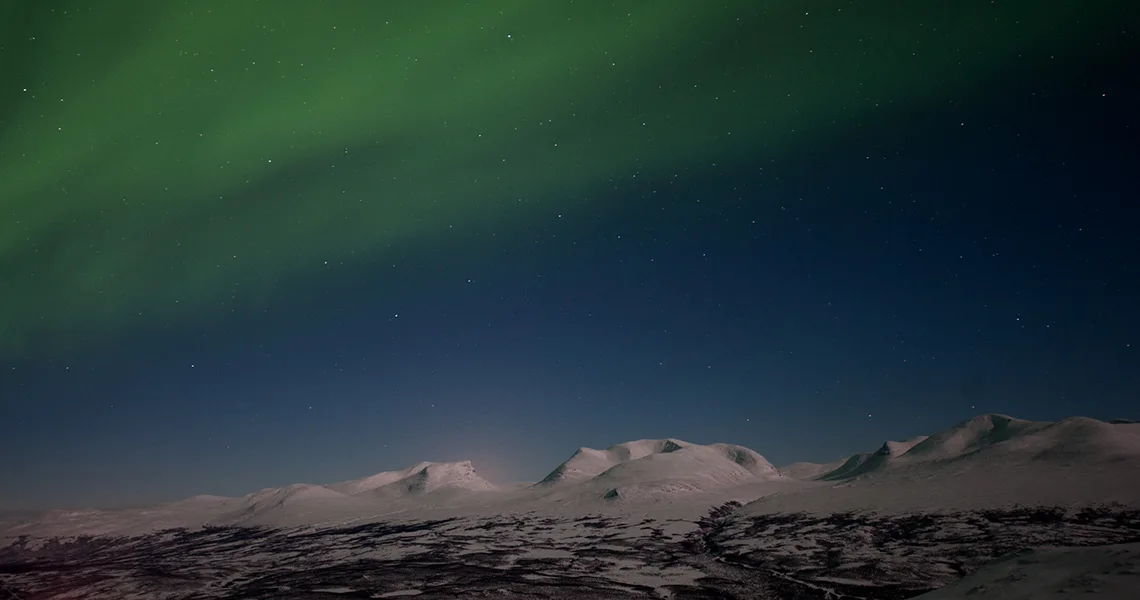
<point>587,463</point>
<point>425,484</point>
<point>420,478</point>
<point>422,484</point>
<point>290,494</point>
<point>810,470</point>
<point>1072,441</point>
<point>292,504</point>
<point>870,462</point>
<point>432,477</point>
<point>973,435</point>
<point>690,469</point>
<point>1103,572</point>
<point>992,437</point>
<point>989,461</point>
<point>378,480</point>
<point>852,466</point>
<point>654,470</point>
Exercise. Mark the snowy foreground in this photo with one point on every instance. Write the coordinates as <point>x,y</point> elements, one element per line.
<point>994,507</point>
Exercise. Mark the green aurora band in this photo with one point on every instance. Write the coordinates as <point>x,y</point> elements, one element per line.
<point>165,163</point>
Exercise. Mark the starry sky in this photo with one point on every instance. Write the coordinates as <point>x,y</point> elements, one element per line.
<point>246,244</point>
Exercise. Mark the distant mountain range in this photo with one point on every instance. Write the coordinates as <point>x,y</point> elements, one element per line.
<point>988,460</point>
<point>992,437</point>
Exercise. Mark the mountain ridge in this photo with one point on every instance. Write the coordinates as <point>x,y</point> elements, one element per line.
<point>1072,438</point>
<point>668,470</point>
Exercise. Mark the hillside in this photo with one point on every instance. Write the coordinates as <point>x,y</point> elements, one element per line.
<point>655,470</point>
<point>587,463</point>
<point>987,461</point>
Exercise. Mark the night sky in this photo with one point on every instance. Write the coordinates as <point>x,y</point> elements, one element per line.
<point>246,244</point>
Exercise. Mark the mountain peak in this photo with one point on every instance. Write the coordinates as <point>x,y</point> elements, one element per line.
<point>970,436</point>
<point>434,476</point>
<point>1004,439</point>
<point>652,467</point>
<point>421,477</point>
<point>586,463</point>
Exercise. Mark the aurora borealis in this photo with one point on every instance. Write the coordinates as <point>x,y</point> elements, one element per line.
<point>201,200</point>
<point>173,160</point>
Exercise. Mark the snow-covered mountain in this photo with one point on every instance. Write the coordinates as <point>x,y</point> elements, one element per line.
<point>655,470</point>
<point>420,478</point>
<point>434,477</point>
<point>869,462</point>
<point>289,505</point>
<point>911,515</point>
<point>990,460</point>
<point>425,484</point>
<point>987,461</point>
<point>587,463</point>
<point>991,437</point>
<point>378,480</point>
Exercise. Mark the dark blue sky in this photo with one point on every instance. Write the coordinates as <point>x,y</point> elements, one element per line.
<point>904,269</point>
